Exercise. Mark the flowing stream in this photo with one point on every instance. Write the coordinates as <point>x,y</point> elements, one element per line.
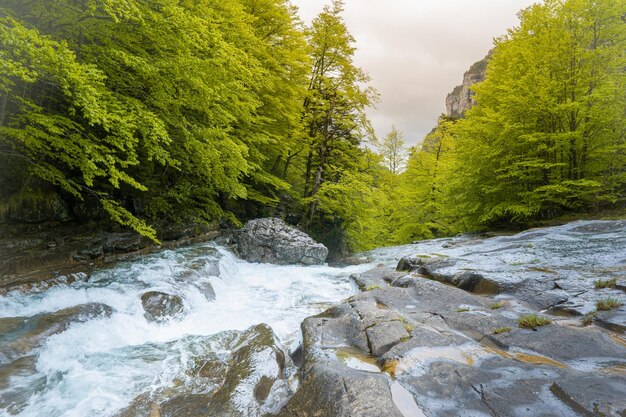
<point>63,352</point>
<point>84,347</point>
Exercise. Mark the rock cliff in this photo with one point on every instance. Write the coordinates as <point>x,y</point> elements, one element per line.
<point>461,98</point>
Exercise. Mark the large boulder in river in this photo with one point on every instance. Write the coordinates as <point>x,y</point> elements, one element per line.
<point>273,241</point>
<point>160,307</point>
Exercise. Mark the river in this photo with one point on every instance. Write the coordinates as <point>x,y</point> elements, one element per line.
<point>86,348</point>
<point>98,363</point>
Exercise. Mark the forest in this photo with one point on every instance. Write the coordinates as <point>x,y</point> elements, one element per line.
<point>169,111</point>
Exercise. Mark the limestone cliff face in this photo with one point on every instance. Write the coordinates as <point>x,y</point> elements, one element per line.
<point>461,98</point>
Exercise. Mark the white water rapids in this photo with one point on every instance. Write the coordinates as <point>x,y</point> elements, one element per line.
<point>98,366</point>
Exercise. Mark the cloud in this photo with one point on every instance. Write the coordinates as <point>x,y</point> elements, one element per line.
<point>417,51</point>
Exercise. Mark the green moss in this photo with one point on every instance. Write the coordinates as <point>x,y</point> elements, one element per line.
<point>607,304</point>
<point>501,330</point>
<point>372,287</point>
<point>532,321</point>
<point>605,283</point>
<point>407,325</point>
<point>462,310</point>
<point>496,306</point>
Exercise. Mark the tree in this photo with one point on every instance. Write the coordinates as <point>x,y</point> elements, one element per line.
<point>334,108</point>
<point>58,115</point>
<point>423,209</point>
<point>393,150</point>
<point>549,118</point>
<point>166,110</point>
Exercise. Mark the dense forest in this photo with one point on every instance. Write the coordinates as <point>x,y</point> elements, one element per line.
<point>193,111</point>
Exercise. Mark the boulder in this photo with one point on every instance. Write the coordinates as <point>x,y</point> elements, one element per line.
<point>246,379</point>
<point>20,336</point>
<point>273,241</point>
<point>160,307</point>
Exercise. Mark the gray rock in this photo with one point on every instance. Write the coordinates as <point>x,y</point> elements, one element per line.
<point>376,278</point>
<point>613,320</point>
<point>257,364</point>
<point>19,336</point>
<point>332,390</point>
<point>409,264</point>
<point>240,383</point>
<point>124,243</point>
<point>160,307</point>
<point>384,336</point>
<point>271,240</point>
<point>449,360</point>
<point>461,98</point>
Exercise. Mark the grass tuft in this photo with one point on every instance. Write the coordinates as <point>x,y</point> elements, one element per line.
<point>605,283</point>
<point>532,321</point>
<point>501,330</point>
<point>607,304</point>
<point>588,319</point>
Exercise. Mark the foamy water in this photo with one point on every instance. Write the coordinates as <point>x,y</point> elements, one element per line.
<point>97,367</point>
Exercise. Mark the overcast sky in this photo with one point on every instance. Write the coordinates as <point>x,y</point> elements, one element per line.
<point>417,50</point>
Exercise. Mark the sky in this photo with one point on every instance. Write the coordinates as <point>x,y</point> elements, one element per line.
<point>416,51</point>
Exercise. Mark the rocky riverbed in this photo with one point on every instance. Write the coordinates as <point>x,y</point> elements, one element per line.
<point>524,325</point>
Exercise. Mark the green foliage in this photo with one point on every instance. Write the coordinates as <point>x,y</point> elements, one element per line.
<point>549,124</point>
<point>162,109</point>
<point>199,110</point>
<point>393,150</point>
<point>605,283</point>
<point>501,330</point>
<point>425,209</point>
<point>334,114</point>
<point>608,304</point>
<point>547,135</point>
<point>532,321</point>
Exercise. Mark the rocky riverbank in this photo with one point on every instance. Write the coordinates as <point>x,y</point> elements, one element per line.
<point>49,253</point>
<point>508,326</point>
<point>524,325</point>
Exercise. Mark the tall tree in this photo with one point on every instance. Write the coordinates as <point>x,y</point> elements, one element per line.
<point>393,150</point>
<point>423,210</point>
<point>334,109</point>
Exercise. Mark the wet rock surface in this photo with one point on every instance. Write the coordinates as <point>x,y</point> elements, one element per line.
<point>440,335</point>
<point>19,339</point>
<point>236,383</point>
<point>160,307</point>
<point>271,240</point>
<point>35,253</point>
<point>19,336</point>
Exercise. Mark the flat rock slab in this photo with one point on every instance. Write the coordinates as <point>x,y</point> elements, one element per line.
<point>452,352</point>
